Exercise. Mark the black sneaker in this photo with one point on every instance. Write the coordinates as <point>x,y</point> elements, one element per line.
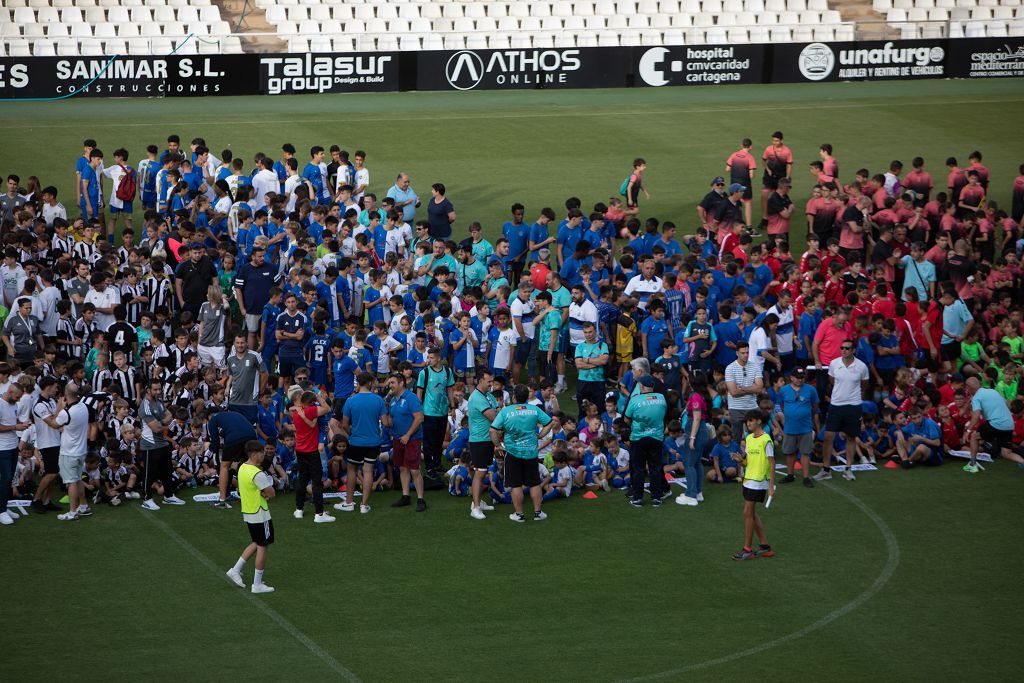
<point>907,464</point>
<point>402,502</point>
<point>39,506</point>
<point>666,495</point>
<point>788,479</point>
<point>764,551</point>
<point>744,554</point>
<point>636,503</point>
<point>53,507</point>
<point>421,505</point>
<point>656,502</point>
<point>808,483</point>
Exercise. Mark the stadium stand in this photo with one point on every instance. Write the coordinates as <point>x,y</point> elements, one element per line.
<point>961,18</point>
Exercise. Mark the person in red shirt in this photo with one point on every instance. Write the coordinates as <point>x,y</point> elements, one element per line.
<point>833,256</point>
<point>830,336</point>
<point>933,210</point>
<point>886,216</point>
<point>817,170</point>
<point>919,181</point>
<point>956,179</point>
<point>741,166</point>
<point>976,166</point>
<point>882,303</point>
<point>878,192</point>
<point>972,196</point>
<point>812,250</point>
<point>778,164</point>
<point>905,330</point>
<point>1017,206</point>
<point>931,329</point>
<point>831,166</point>
<point>305,413</point>
<point>938,253</point>
<point>779,209</point>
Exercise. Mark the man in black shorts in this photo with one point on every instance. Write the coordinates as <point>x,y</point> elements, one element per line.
<point>229,431</point>
<point>44,415</point>
<point>990,406</point>
<point>515,430</point>
<point>849,379</point>
<point>483,408</point>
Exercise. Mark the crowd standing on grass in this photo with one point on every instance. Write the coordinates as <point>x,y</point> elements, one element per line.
<point>294,322</point>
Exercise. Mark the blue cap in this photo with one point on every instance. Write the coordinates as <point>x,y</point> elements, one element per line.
<point>719,180</point>
<point>736,187</point>
<point>646,381</point>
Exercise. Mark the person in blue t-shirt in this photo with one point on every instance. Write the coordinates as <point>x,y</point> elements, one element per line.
<point>266,418</point>
<point>570,232</point>
<point>268,344</point>
<point>343,372</point>
<point>518,235</point>
<point>314,175</point>
<point>723,457</point>
<point>90,202</point>
<point>317,356</point>
<point>653,329</point>
<point>806,329</point>
<point>919,442</point>
<point>798,403</point>
<point>458,477</point>
<point>364,416</point>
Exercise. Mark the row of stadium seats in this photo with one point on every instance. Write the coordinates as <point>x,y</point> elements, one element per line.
<point>487,25</point>
<point>959,14</point>
<point>563,8</point>
<point>84,4</point>
<point>99,15</point>
<point>526,39</point>
<point>94,47</point>
<point>884,5</point>
<point>960,29</point>
<point>128,30</point>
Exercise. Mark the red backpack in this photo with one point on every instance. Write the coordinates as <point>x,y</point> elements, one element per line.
<point>127,186</point>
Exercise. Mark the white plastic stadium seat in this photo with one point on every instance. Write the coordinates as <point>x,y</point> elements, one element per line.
<point>67,48</point>
<point>138,46</point>
<point>90,47</point>
<point>43,48</point>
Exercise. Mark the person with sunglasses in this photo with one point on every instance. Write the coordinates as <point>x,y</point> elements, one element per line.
<point>848,377</point>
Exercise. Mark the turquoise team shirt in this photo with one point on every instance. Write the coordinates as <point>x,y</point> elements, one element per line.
<point>480,426</point>
<point>594,350</point>
<point>435,390</point>
<point>519,423</point>
<point>648,414</point>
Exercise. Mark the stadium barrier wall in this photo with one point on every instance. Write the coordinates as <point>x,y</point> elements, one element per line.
<point>36,78</point>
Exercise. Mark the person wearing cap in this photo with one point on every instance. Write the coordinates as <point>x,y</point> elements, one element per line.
<point>193,278</point>
<point>707,206</point>
<point>646,415</point>
<point>778,164</point>
<point>778,210</point>
<point>728,213</point>
<point>798,401</point>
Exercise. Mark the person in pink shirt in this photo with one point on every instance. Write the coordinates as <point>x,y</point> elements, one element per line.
<point>1017,207</point>
<point>778,164</point>
<point>878,192</point>
<point>741,166</point>
<point>920,181</point>
<point>956,179</point>
<point>972,195</point>
<point>828,162</point>
<point>976,166</point>
<point>937,254</point>
<point>856,221</point>
<point>887,216</point>
<point>828,339</point>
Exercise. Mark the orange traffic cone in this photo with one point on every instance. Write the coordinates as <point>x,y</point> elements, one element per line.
<point>798,466</point>
<point>669,477</point>
<point>343,489</point>
<point>590,495</point>
<point>892,465</point>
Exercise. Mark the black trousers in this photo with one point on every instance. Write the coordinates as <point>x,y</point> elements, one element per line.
<point>310,471</point>
<point>517,273</point>
<point>434,428</point>
<point>590,391</point>
<point>158,468</point>
<point>644,461</point>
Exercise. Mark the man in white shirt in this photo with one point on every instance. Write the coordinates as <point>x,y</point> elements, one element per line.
<point>104,298</point>
<point>9,427</point>
<point>646,283</point>
<point>523,312</point>
<point>580,311</point>
<point>848,376</point>
<point>743,381</point>
<point>73,418</point>
<point>264,182</point>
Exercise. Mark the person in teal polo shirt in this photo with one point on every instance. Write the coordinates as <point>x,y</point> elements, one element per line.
<point>515,430</point>
<point>483,408</point>
<point>426,265</point>
<point>548,325</point>
<point>591,358</point>
<point>434,389</point>
<point>470,272</point>
<point>646,411</point>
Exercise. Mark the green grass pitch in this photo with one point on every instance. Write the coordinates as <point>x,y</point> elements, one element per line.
<point>897,576</point>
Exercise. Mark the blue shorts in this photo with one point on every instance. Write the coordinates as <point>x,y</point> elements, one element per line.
<point>128,209</point>
<point>287,365</point>
<point>522,353</point>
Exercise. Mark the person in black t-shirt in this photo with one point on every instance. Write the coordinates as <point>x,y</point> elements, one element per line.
<point>121,336</point>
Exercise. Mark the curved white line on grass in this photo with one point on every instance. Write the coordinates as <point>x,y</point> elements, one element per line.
<point>285,625</point>
<point>893,561</point>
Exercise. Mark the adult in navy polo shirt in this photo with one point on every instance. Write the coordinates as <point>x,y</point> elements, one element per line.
<point>291,335</point>
<point>193,279</point>
<point>570,232</point>
<point>229,432</point>
<point>440,213</point>
<point>518,235</point>
<point>252,290</point>
<point>799,403</point>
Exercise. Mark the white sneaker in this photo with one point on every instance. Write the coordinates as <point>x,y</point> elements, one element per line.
<point>476,513</point>
<point>517,517</point>
<point>236,578</point>
<point>683,499</point>
<point>345,507</point>
<point>68,517</point>
<point>322,518</point>
<point>539,516</point>
<point>13,512</point>
<point>150,505</point>
<point>132,495</point>
<point>262,588</point>
<point>605,485</point>
<point>364,509</point>
<point>6,519</point>
<point>824,475</point>
<point>173,500</point>
<point>297,514</point>
<point>848,474</point>
<point>700,497</point>
<point>84,511</point>
<point>486,507</point>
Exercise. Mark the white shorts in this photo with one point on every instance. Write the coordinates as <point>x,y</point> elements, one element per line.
<point>71,468</point>
<point>252,322</point>
<point>211,355</point>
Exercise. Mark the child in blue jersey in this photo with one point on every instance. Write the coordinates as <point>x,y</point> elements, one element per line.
<point>266,419</point>
<point>464,342</point>
<point>593,472</point>
<point>459,477</point>
<point>286,452</point>
<point>459,442</point>
<point>375,297</point>
<point>653,329</point>
<point>318,354</point>
<point>496,482</point>
<point>268,325</point>
<point>672,452</point>
<point>618,459</point>
<point>148,168</point>
<point>362,353</point>
<point>869,440</point>
<point>723,457</point>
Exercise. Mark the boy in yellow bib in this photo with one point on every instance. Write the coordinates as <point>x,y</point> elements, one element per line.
<point>758,482</point>
<point>255,487</point>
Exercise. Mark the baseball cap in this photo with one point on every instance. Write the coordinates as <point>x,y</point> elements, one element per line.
<point>736,187</point>
<point>799,372</point>
<point>292,390</point>
<point>719,180</point>
<point>646,381</point>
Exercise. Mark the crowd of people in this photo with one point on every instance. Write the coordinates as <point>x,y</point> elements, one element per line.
<point>297,325</point>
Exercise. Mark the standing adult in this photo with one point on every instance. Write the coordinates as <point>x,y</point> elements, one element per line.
<point>229,431</point>
<point>849,378</point>
<point>44,414</point>
<point>73,418</point>
<point>990,406</point>
<point>517,232</point>
<point>9,428</point>
<point>305,415</point>
<point>646,413</point>
<point>213,317</point>
<point>22,334</point>
<point>919,273</point>
<point>247,376</point>
<point>440,213</point>
<point>483,408</point>
<point>434,388</point>
<point>646,283</point>
<point>193,278</point>
<point>291,335</point>
<point>363,418</point>
<point>831,334</point>
<point>591,357</point>
<point>252,291</point>
<point>957,321</point>
<point>799,404</point>
<point>405,197</point>
<point>743,381</point>
<point>406,413</point>
<point>156,452</point>
<point>515,429</point>
<point>695,435</point>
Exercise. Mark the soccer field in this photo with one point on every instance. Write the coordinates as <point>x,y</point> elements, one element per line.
<point>900,575</point>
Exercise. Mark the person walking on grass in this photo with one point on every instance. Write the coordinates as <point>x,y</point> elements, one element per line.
<point>514,431</point>
<point>256,488</point>
<point>849,377</point>
<point>758,485</point>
